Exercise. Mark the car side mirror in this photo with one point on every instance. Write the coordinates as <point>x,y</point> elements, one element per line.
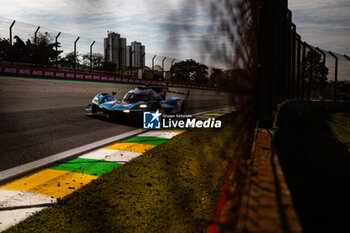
<point>114,93</point>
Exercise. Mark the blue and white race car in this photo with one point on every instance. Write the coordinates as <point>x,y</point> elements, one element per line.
<point>135,102</point>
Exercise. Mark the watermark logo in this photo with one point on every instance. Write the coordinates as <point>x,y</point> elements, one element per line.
<point>152,120</point>
<point>155,120</point>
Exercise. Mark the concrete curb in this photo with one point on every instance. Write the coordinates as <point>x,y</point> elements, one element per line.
<point>269,206</point>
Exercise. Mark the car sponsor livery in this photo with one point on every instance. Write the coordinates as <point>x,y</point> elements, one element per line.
<point>139,102</point>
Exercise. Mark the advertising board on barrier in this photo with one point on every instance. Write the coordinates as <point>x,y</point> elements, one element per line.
<point>31,72</point>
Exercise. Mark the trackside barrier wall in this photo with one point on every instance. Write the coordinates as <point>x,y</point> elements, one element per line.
<point>8,70</point>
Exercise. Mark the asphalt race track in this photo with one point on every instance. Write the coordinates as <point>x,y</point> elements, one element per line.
<point>40,118</point>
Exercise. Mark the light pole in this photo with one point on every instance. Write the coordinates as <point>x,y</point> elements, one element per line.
<point>56,43</point>
<point>91,56</point>
<point>75,53</point>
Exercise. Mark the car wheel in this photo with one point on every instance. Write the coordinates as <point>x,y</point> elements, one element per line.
<point>182,109</point>
<point>94,109</point>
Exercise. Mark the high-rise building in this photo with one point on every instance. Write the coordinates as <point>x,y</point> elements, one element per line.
<point>115,49</point>
<point>135,53</point>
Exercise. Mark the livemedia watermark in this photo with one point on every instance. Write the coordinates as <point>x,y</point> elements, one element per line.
<point>155,120</point>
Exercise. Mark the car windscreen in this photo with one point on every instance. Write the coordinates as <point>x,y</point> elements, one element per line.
<point>132,97</point>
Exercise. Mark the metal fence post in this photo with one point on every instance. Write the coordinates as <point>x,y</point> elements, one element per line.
<point>36,49</point>
<point>335,75</point>
<point>311,66</point>
<point>13,23</point>
<point>142,63</point>
<point>130,60</point>
<point>56,43</point>
<point>35,35</point>
<point>288,48</point>
<point>347,57</point>
<point>303,72</point>
<point>163,68</point>
<point>75,53</point>
<point>293,60</point>
<point>323,72</point>
<point>153,65</point>
<point>10,29</point>
<point>91,56</point>
<point>120,63</point>
<point>298,66</point>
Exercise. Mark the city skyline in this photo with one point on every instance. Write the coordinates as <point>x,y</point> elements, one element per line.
<point>117,51</point>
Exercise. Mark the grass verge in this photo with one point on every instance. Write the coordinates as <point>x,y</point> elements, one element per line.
<point>174,187</point>
<point>314,152</point>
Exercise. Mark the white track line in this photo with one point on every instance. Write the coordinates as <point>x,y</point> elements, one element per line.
<point>28,203</point>
<point>25,168</point>
<point>19,170</point>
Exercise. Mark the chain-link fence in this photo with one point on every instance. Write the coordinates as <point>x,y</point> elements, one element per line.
<point>317,74</point>
<point>83,54</point>
<point>292,69</point>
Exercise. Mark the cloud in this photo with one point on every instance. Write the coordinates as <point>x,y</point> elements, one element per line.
<point>173,28</point>
<point>148,22</point>
<point>323,23</point>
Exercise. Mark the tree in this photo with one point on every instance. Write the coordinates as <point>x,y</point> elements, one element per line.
<point>5,49</point>
<point>317,66</point>
<point>109,66</point>
<point>97,61</point>
<point>314,64</point>
<point>42,51</point>
<point>68,60</point>
<point>19,51</point>
<point>218,78</point>
<point>189,71</point>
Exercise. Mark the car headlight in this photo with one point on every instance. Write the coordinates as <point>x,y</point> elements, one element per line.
<point>143,106</point>
<point>95,100</point>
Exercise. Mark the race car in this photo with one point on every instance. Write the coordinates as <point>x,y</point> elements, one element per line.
<point>135,102</point>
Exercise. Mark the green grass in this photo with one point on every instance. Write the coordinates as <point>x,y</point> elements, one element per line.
<point>340,126</point>
<point>314,152</point>
<point>174,187</point>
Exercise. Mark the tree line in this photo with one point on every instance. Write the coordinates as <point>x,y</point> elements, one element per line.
<point>43,51</point>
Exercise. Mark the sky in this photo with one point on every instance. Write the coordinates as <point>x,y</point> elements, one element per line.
<point>323,23</point>
<point>158,23</point>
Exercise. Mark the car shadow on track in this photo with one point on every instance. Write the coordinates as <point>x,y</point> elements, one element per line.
<point>124,121</point>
